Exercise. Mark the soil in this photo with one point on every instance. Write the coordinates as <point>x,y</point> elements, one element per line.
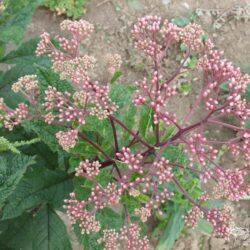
<point>113,20</point>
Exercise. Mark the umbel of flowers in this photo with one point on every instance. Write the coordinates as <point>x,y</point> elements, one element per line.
<point>153,37</point>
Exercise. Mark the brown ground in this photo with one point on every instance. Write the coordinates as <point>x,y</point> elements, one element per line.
<point>113,20</point>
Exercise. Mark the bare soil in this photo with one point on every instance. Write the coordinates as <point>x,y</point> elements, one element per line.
<point>113,20</point>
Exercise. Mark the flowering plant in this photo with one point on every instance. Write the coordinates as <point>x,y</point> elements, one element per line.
<point>133,170</point>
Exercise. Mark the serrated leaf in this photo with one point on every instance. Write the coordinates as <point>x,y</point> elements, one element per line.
<point>48,78</point>
<point>14,19</point>
<point>45,132</point>
<point>12,169</point>
<point>42,231</point>
<point>38,186</point>
<point>44,156</point>
<point>6,145</point>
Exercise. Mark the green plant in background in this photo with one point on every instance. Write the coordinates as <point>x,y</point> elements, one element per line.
<point>71,8</point>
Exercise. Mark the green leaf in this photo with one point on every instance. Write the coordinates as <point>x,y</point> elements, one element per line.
<point>146,122</point>
<point>85,150</point>
<point>2,49</point>
<point>174,154</point>
<point>12,169</point>
<point>46,133</point>
<point>180,21</point>
<point>183,47</point>
<point>41,231</point>
<point>214,203</point>
<point>71,8</point>
<point>129,118</point>
<point>184,88</point>
<point>6,145</point>
<point>116,76</point>
<point>48,78</point>
<point>25,53</point>
<point>143,198</point>
<point>38,186</point>
<point>205,227</point>
<point>172,230</point>
<point>248,93</point>
<point>168,132</point>
<point>122,95</point>
<point>224,86</point>
<point>247,124</point>
<point>192,62</point>
<point>44,156</point>
<point>14,19</point>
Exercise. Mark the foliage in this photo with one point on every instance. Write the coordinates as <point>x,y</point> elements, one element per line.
<point>70,8</point>
<point>42,230</point>
<point>14,19</point>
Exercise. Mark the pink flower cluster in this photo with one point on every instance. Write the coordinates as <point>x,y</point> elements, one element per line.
<point>220,218</point>
<point>196,146</point>
<point>11,117</point>
<point>147,169</point>
<point>90,97</point>
<point>132,160</point>
<point>231,184</point>
<point>88,169</point>
<point>65,109</point>
<point>145,33</point>
<point>28,86</point>
<point>127,238</point>
<point>67,139</point>
<point>77,213</point>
